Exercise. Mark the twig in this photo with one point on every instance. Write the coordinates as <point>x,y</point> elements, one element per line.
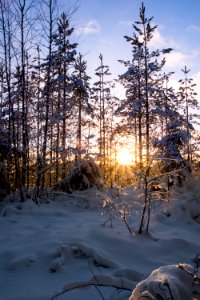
<point>170,292</point>
<point>100,293</point>
<point>196,280</point>
<point>103,280</point>
<point>182,268</point>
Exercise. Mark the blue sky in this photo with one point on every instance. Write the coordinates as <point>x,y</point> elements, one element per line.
<point>101,24</point>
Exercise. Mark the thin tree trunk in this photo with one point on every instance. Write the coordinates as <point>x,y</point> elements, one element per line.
<point>7,58</point>
<point>23,95</point>
<point>48,91</point>
<point>145,206</point>
<point>64,115</point>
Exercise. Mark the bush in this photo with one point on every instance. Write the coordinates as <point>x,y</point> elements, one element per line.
<point>83,174</point>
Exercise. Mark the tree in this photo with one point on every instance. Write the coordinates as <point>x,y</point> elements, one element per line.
<point>81,93</point>
<point>100,88</point>
<point>6,23</point>
<point>187,97</point>
<point>140,80</point>
<point>63,60</point>
<point>47,90</point>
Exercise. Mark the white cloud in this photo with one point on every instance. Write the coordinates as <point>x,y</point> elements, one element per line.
<point>196,54</point>
<point>177,59</point>
<point>193,28</point>
<point>92,26</point>
<point>160,41</point>
<point>173,82</point>
<point>196,78</point>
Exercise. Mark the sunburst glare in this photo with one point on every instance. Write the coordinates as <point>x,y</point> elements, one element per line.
<point>124,156</point>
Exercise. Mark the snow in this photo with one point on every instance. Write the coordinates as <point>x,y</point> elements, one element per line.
<point>50,249</point>
<point>164,282</point>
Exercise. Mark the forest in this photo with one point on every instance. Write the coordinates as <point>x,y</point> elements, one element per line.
<point>52,117</point>
<point>99,193</point>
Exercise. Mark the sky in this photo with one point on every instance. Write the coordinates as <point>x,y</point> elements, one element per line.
<point>100,26</point>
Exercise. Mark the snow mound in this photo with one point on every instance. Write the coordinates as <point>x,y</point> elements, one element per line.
<point>63,255</point>
<point>167,282</point>
<point>79,249</point>
<point>186,206</point>
<point>9,210</point>
<point>91,198</point>
<point>22,261</point>
<point>128,274</point>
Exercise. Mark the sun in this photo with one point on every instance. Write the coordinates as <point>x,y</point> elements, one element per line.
<point>124,157</point>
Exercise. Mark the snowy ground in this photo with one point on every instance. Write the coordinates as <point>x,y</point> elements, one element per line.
<point>48,248</point>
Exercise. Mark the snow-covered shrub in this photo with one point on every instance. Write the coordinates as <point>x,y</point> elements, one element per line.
<point>64,186</point>
<point>167,282</point>
<point>83,174</point>
<point>21,195</point>
<point>170,148</point>
<point>187,206</point>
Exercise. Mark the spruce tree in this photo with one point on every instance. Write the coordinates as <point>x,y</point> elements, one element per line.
<point>141,81</point>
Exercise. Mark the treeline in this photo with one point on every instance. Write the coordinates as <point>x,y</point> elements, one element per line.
<point>50,114</point>
<point>163,120</point>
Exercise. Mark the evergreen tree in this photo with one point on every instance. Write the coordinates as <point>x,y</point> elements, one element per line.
<point>189,104</point>
<point>80,98</point>
<point>63,59</point>
<point>141,81</point>
<point>101,88</point>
